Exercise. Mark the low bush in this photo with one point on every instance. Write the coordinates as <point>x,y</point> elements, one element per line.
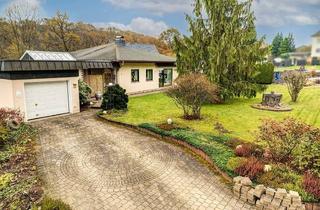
<point>84,93</point>
<point>279,175</point>
<point>307,154</point>
<point>235,162</point>
<point>115,97</point>
<point>295,81</point>
<point>5,180</point>
<point>7,115</point>
<point>52,204</point>
<point>251,168</point>
<point>265,73</point>
<point>244,150</point>
<point>282,138</point>
<point>190,92</point>
<point>311,184</point>
<point>313,73</point>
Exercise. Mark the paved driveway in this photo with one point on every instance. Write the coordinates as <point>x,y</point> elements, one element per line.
<point>94,165</point>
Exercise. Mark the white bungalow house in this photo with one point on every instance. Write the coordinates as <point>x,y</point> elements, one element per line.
<point>43,84</point>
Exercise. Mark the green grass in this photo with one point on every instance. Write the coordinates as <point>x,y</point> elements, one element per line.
<point>310,68</point>
<point>213,146</point>
<point>236,115</point>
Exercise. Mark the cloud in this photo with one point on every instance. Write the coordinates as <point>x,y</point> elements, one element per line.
<point>287,12</point>
<point>25,8</point>
<point>141,25</point>
<point>154,6</point>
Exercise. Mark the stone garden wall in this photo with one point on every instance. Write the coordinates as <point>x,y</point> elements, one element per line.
<point>266,198</point>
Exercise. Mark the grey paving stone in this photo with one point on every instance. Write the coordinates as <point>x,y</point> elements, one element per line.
<point>91,164</point>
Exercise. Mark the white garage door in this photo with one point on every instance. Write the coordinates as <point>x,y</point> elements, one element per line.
<point>46,99</point>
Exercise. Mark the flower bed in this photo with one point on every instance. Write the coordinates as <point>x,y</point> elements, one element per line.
<point>235,157</point>
<point>20,186</point>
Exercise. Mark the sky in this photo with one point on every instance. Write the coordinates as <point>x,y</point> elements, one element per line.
<point>151,17</point>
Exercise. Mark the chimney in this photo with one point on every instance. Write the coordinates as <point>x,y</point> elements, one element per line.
<point>120,41</point>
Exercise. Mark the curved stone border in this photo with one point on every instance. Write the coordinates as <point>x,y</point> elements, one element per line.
<point>265,108</point>
<point>175,141</point>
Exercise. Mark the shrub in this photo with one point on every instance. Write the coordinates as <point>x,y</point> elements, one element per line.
<point>307,155</point>
<point>313,73</point>
<point>251,168</point>
<point>190,92</point>
<point>7,115</point>
<point>115,97</point>
<point>311,184</point>
<point>52,204</point>
<point>84,92</point>
<point>5,180</point>
<point>4,135</point>
<point>244,150</point>
<point>278,176</point>
<point>282,138</point>
<point>265,73</point>
<point>295,81</point>
<point>235,162</point>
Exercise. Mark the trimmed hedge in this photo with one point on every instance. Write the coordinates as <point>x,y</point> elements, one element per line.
<point>213,146</point>
<point>265,73</point>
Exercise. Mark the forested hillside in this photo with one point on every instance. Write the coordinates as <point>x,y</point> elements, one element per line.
<point>21,30</point>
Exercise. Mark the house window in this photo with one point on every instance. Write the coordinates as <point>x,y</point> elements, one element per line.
<point>149,75</point>
<point>318,50</point>
<point>135,75</point>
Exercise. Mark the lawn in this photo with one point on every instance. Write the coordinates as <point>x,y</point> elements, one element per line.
<point>236,115</point>
<point>310,68</point>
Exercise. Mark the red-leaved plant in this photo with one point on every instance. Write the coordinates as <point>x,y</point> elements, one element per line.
<point>251,168</point>
<point>244,150</point>
<point>311,184</point>
<point>7,114</point>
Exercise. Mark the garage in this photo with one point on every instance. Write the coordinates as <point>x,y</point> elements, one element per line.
<point>43,88</point>
<point>45,99</point>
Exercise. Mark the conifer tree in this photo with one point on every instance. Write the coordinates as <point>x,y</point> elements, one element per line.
<point>223,45</point>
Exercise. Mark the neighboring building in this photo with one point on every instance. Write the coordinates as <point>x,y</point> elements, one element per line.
<point>315,52</point>
<point>43,84</point>
<point>298,58</point>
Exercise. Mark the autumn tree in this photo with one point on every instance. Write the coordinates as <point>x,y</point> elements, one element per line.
<point>223,45</point>
<point>22,26</point>
<point>61,32</point>
<point>168,36</point>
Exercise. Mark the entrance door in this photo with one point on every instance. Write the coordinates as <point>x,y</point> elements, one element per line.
<point>165,77</point>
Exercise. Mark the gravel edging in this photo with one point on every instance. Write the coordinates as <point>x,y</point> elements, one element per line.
<point>175,141</point>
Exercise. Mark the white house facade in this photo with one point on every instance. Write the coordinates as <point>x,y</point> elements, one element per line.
<point>315,52</point>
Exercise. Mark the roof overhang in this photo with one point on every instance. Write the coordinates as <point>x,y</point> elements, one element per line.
<point>22,65</point>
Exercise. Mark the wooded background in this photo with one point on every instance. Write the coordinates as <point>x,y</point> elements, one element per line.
<point>21,30</point>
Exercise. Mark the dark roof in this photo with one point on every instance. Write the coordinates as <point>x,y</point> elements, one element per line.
<point>127,52</point>
<point>316,34</point>
<point>22,65</point>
